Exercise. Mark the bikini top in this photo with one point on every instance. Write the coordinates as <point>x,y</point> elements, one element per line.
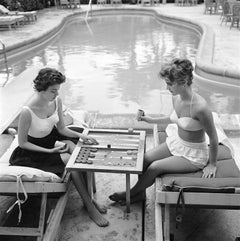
<point>186,123</point>
<point>41,127</point>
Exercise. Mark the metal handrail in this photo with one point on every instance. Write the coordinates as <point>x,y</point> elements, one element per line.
<point>4,55</point>
<point>5,60</point>
<point>89,9</point>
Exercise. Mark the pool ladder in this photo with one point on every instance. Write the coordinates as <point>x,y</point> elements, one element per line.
<point>89,9</point>
<point>5,61</point>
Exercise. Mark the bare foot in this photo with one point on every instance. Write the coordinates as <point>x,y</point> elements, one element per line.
<point>96,216</point>
<point>137,198</point>
<point>101,208</point>
<point>118,196</point>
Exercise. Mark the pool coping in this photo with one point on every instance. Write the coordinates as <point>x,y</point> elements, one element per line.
<point>204,67</point>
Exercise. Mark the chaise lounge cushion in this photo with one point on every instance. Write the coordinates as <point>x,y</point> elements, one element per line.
<point>10,173</point>
<point>28,174</point>
<point>4,10</point>
<point>227,175</point>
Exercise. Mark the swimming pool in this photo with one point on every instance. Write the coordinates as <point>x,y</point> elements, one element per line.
<point>112,64</point>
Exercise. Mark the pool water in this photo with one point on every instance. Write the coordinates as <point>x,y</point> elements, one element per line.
<point>112,64</point>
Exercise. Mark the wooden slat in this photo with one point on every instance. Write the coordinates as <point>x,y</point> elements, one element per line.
<point>113,147</point>
<point>128,192</point>
<point>54,222</point>
<point>141,150</point>
<point>166,221</point>
<point>158,222</point>
<point>195,198</point>
<point>115,131</point>
<point>33,187</point>
<point>13,231</point>
<point>42,215</point>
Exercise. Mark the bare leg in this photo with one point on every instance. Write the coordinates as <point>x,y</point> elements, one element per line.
<point>169,164</point>
<point>94,209</point>
<point>159,152</point>
<point>101,208</point>
<point>141,196</point>
<point>223,152</point>
<point>94,213</point>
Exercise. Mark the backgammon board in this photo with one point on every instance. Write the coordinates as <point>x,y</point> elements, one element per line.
<point>117,151</point>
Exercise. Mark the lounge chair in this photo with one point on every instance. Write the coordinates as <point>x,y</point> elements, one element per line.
<point>151,2</point>
<point>75,3</point>
<point>184,190</point>
<point>10,21</point>
<point>219,6</point>
<point>180,2</point>
<point>16,180</point>
<point>116,1</point>
<point>226,13</point>
<point>101,2</point>
<point>210,6</point>
<point>29,16</point>
<point>64,4</point>
<point>235,18</point>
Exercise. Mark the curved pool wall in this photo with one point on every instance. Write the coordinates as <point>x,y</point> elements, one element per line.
<point>205,70</point>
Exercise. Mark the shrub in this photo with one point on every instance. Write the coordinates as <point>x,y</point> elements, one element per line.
<point>4,3</point>
<point>25,5</point>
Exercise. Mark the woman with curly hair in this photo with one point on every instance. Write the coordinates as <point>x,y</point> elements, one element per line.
<point>41,124</point>
<point>187,151</point>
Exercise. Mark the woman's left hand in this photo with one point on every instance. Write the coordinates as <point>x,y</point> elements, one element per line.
<point>88,140</point>
<point>209,171</point>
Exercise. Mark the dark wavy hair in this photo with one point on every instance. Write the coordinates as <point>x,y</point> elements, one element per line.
<point>47,77</point>
<point>179,71</point>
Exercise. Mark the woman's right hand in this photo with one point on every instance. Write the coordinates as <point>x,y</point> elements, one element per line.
<point>144,118</point>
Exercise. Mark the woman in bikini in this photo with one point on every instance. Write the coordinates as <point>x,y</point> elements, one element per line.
<point>41,124</point>
<point>187,150</point>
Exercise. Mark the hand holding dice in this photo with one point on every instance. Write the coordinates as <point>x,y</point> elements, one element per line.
<point>140,114</point>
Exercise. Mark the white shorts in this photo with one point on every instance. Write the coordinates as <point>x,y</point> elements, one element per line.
<point>196,153</point>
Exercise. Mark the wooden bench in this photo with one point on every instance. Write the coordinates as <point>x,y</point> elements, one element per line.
<point>16,184</point>
<point>11,20</point>
<point>43,189</point>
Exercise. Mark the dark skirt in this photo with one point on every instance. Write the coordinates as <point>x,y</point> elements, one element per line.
<point>50,162</point>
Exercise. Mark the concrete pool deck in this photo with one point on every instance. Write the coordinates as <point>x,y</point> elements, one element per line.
<point>76,225</point>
